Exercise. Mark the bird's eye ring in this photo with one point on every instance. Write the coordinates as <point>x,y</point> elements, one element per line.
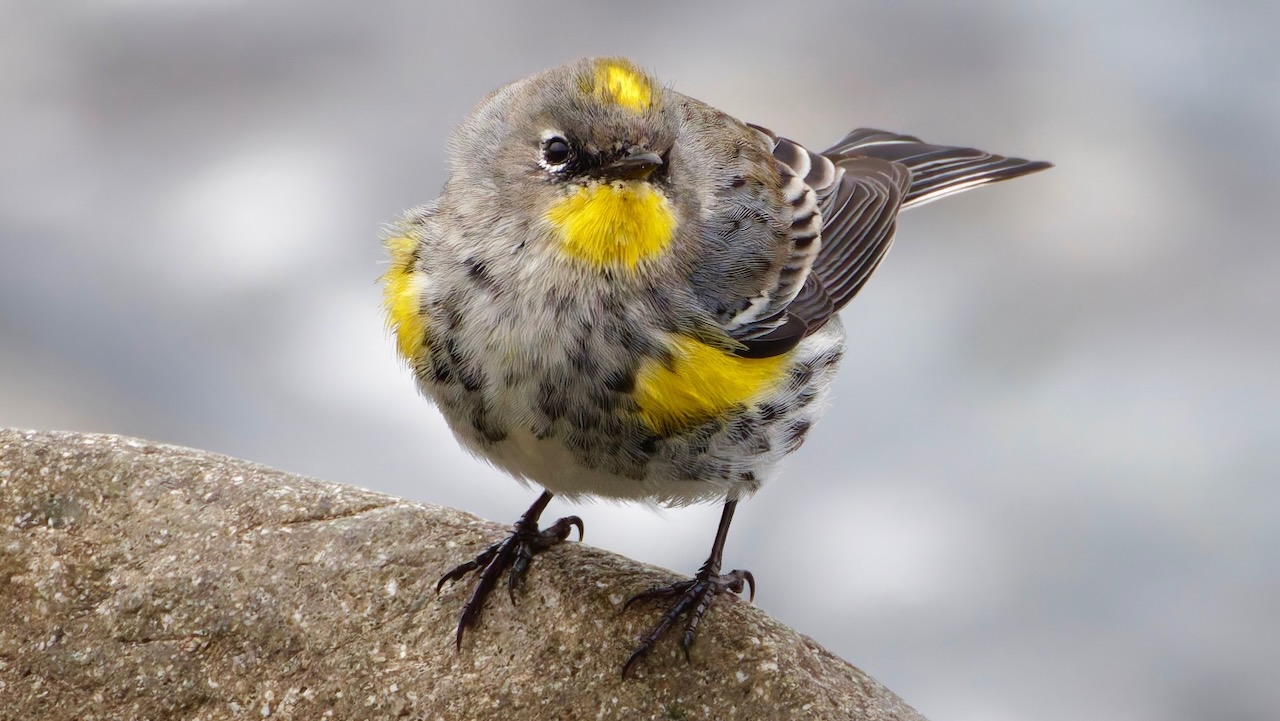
<point>555,152</point>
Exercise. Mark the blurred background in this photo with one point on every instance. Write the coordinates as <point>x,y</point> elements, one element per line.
<point>1047,487</point>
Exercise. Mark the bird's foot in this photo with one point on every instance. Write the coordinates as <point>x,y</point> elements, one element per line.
<point>513,555</point>
<point>692,599</point>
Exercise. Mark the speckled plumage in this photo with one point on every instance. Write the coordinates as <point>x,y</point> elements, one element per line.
<point>532,357</point>
<point>532,354</point>
<point>625,293</point>
<point>537,375</point>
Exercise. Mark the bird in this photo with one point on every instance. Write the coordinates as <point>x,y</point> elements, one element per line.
<point>625,293</point>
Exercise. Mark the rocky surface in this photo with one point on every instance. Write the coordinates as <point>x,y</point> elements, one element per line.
<point>145,581</point>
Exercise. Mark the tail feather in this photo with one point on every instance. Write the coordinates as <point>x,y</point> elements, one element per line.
<point>936,170</point>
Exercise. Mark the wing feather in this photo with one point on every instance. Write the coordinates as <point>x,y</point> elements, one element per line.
<point>857,188</point>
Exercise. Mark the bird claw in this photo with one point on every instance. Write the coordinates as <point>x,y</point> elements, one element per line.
<point>657,592</point>
<point>744,576</point>
<point>461,570</point>
<point>641,651</point>
<point>575,522</point>
<point>694,598</point>
<point>560,530</point>
<point>513,554</point>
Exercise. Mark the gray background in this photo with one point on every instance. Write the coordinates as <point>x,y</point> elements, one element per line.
<point>1047,485</point>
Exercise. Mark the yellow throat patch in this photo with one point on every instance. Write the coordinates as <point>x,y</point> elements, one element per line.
<point>703,383</point>
<point>402,298</point>
<point>619,82</point>
<point>614,224</point>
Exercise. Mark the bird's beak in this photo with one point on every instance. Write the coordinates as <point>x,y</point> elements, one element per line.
<point>636,166</point>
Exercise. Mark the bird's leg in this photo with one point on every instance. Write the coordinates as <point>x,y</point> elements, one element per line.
<point>692,597</point>
<point>512,554</point>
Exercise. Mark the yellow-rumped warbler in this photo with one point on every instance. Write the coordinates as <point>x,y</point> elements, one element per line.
<point>623,292</point>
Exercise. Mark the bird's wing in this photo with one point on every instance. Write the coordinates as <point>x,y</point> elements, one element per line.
<point>858,186</point>
<point>806,178</point>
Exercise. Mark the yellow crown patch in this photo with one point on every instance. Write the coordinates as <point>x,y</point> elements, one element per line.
<point>619,82</point>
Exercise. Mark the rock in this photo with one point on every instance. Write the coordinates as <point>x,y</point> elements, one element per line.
<point>146,581</point>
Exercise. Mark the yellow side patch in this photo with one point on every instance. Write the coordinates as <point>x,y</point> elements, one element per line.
<point>703,383</point>
<point>402,298</point>
<point>614,225</point>
<point>620,82</point>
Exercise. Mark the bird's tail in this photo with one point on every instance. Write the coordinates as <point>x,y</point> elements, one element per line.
<point>936,170</point>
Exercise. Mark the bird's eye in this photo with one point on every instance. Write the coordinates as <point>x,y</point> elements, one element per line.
<point>556,151</point>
